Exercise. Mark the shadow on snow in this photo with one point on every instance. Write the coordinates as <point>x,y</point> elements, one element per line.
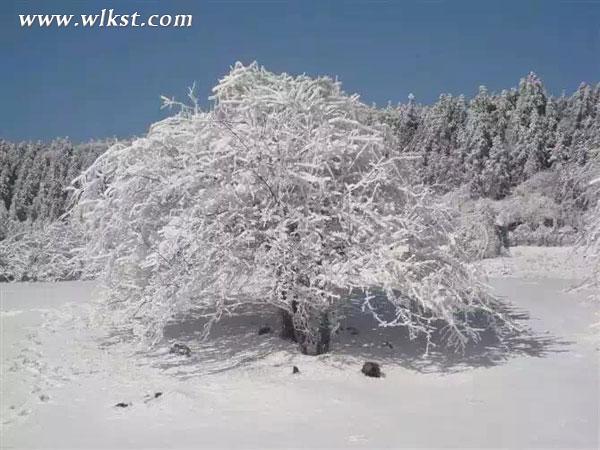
<point>235,342</point>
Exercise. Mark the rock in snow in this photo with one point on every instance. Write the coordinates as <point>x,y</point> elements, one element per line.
<point>371,369</point>
<point>150,397</point>
<point>181,349</point>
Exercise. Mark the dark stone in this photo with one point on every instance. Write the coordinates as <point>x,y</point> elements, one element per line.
<point>264,330</point>
<point>371,369</point>
<point>150,397</point>
<point>388,344</point>
<point>181,349</point>
<point>122,405</point>
<point>295,370</point>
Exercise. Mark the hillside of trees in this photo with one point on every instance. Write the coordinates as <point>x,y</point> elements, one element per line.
<point>494,142</point>
<point>34,176</point>
<point>36,242</point>
<point>520,159</point>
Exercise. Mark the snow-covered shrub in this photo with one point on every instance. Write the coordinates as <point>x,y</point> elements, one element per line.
<point>559,194</point>
<point>533,209</point>
<point>475,225</point>
<point>542,236</point>
<point>593,243</point>
<point>534,218</point>
<point>43,251</point>
<point>478,232</point>
<point>280,196</point>
<point>591,237</point>
<point>546,210</point>
<point>35,242</point>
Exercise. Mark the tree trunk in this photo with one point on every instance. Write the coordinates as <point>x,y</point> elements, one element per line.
<point>319,341</point>
<point>324,334</point>
<point>315,342</point>
<point>288,331</point>
<point>502,233</point>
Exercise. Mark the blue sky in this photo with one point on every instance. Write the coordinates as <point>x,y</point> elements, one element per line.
<point>92,83</point>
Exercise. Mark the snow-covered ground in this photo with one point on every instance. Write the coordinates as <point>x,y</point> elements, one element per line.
<point>526,262</point>
<point>61,379</point>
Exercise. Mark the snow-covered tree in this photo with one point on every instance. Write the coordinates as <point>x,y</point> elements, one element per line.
<point>495,177</point>
<point>42,251</point>
<point>404,120</point>
<point>594,243</point>
<point>591,238</point>
<point>279,196</point>
<point>4,221</point>
<point>33,176</point>
<point>34,244</point>
<point>532,131</point>
<point>437,142</point>
<point>477,140</point>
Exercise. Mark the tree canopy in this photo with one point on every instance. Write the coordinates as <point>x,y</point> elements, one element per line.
<point>281,195</point>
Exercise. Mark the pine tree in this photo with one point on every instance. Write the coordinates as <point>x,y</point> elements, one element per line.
<point>496,173</point>
<point>527,128</point>
<point>478,137</point>
<point>437,142</point>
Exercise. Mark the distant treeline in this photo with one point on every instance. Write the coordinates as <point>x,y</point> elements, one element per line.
<point>520,158</point>
<point>494,142</point>
<point>34,175</point>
